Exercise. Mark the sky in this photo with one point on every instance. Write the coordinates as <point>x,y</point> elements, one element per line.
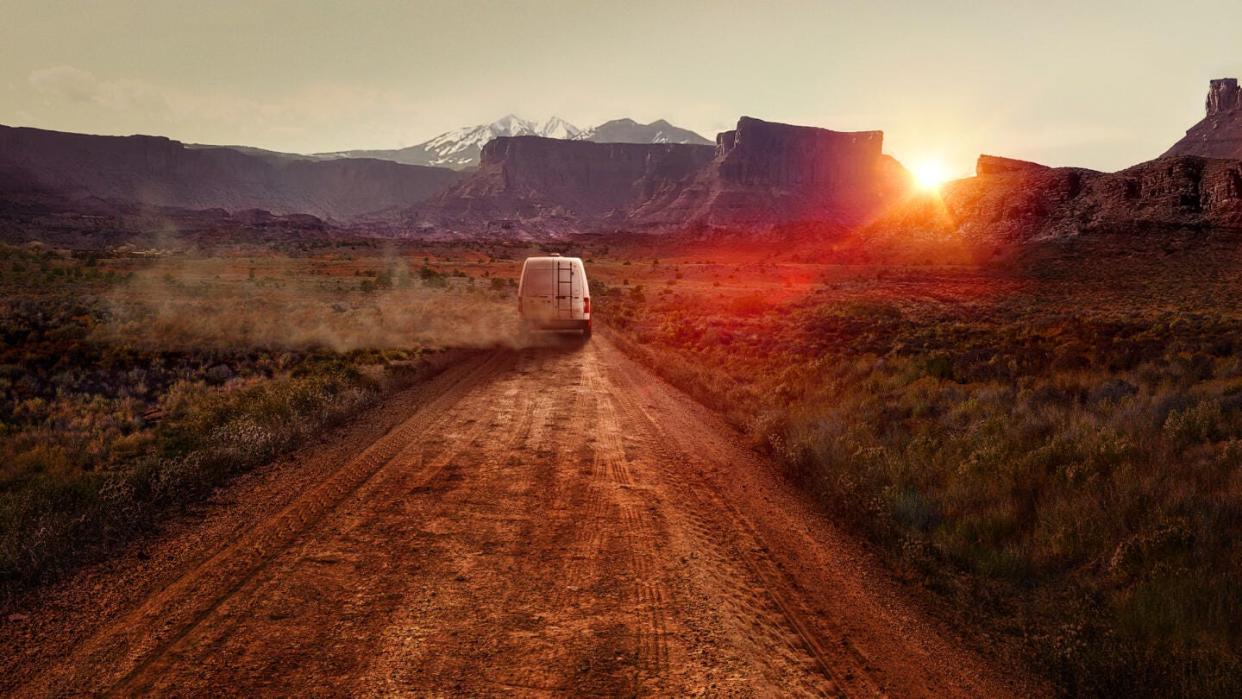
<point>1097,84</point>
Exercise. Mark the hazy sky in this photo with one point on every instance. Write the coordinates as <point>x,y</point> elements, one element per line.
<point>1098,84</point>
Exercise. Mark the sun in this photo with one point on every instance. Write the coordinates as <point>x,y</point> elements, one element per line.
<point>930,174</point>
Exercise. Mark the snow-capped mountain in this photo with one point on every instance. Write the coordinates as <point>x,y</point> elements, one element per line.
<point>460,148</point>
<point>557,127</point>
<point>630,131</point>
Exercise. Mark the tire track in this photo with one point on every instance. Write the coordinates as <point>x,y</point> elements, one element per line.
<point>650,593</point>
<point>423,465</point>
<point>550,522</point>
<point>403,644</point>
<point>125,646</point>
<point>565,533</point>
<point>713,518</point>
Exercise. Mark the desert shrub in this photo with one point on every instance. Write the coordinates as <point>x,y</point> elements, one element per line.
<point>1194,424</point>
<point>1082,466</point>
<point>61,510</point>
<point>121,403</point>
<point>939,366</point>
<point>432,278</point>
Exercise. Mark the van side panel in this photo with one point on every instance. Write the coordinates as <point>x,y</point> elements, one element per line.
<point>585,290</point>
<point>522,278</point>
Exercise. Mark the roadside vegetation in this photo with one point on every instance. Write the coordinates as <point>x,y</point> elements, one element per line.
<point>1053,447</point>
<point>1056,448</point>
<point>131,385</point>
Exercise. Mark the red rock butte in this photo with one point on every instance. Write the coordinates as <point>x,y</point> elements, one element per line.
<point>1219,134</point>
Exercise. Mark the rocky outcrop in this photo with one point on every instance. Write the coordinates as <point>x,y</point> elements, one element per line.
<point>757,176</point>
<point>767,173</point>
<point>1222,96</point>
<point>29,212</point>
<point>163,172</point>
<point>1219,134</point>
<point>558,185</point>
<point>1017,205</point>
<point>996,165</point>
<point>1196,187</point>
<point>769,154</point>
<point>1173,192</point>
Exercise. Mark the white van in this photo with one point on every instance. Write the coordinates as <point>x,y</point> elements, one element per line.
<point>553,294</point>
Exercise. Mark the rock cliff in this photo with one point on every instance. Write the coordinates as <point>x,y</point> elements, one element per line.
<point>768,173</point>
<point>553,185</point>
<point>163,172</point>
<point>996,165</point>
<point>1219,134</point>
<point>1222,96</point>
<point>759,175</point>
<point>1007,205</point>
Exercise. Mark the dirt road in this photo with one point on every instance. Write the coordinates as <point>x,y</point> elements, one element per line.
<point>546,521</point>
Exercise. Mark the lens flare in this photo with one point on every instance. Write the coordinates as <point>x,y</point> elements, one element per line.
<point>930,174</point>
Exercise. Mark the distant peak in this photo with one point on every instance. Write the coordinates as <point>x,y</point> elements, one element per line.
<point>510,121</point>
<point>556,127</point>
<point>626,130</point>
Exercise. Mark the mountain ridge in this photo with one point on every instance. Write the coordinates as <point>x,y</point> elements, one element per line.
<point>758,175</point>
<point>161,171</point>
<point>458,149</point>
<point>461,148</point>
<point>626,130</point>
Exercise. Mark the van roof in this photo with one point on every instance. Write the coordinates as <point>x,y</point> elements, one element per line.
<point>551,258</point>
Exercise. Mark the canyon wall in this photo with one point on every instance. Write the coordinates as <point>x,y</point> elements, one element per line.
<point>163,172</point>
<point>1014,203</point>
<point>560,185</point>
<point>770,173</point>
<point>759,175</point>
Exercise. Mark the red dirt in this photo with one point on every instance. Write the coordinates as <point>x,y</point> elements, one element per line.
<point>549,521</point>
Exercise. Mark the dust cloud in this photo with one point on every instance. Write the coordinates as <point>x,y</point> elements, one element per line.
<point>195,304</point>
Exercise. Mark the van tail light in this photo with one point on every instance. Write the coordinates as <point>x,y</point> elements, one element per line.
<point>586,304</point>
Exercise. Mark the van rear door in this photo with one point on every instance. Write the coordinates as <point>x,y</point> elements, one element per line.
<point>538,290</point>
<point>552,289</point>
<point>568,289</point>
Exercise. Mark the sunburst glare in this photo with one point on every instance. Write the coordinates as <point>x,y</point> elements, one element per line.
<point>930,174</point>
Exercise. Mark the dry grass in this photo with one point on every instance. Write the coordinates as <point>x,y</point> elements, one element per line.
<point>132,385</point>
<point>1057,448</point>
